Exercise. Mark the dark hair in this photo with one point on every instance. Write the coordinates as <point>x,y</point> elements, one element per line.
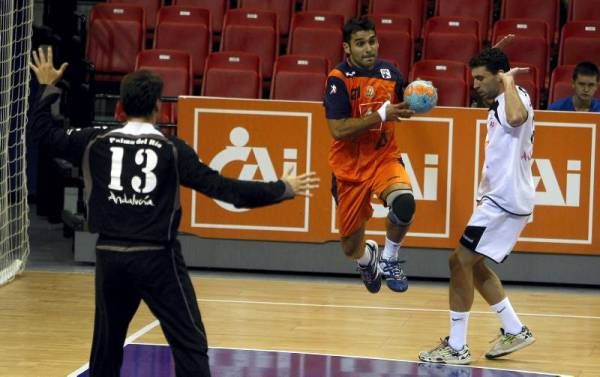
<point>139,92</point>
<point>357,24</point>
<point>586,69</point>
<point>493,59</point>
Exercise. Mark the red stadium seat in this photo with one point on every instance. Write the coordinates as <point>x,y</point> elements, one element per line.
<point>232,74</point>
<point>532,51</point>
<point>413,9</point>
<point>397,48</point>
<point>217,10</point>
<point>451,92</point>
<point>580,41</point>
<point>298,77</point>
<point>175,23</point>
<point>115,36</point>
<point>480,10</point>
<point>283,8</point>
<point>391,21</point>
<point>151,8</point>
<point>584,10</point>
<point>544,10</point>
<point>347,8</point>
<point>452,24</point>
<point>175,68</point>
<point>446,68</point>
<point>395,40</point>
<point>254,32</point>
<point>561,83</point>
<point>317,34</point>
<point>529,81</point>
<point>449,77</point>
<point>521,27</point>
<point>450,46</point>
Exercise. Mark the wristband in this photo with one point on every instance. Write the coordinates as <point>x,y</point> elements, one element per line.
<point>381,111</point>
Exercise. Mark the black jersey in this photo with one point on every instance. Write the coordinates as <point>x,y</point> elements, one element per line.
<point>132,176</point>
<point>131,184</point>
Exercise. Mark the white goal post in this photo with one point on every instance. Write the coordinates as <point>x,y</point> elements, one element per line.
<point>16,18</point>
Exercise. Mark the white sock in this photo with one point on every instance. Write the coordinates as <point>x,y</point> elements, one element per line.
<point>366,257</point>
<point>390,250</point>
<point>459,321</point>
<point>510,322</point>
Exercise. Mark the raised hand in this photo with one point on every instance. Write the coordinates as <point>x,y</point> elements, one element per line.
<point>43,68</point>
<point>303,183</point>
<point>510,75</point>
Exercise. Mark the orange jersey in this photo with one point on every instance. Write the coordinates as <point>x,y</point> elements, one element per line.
<point>353,92</point>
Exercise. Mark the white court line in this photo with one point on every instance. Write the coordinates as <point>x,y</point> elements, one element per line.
<point>394,308</point>
<point>155,323</point>
<point>130,339</point>
<point>370,358</point>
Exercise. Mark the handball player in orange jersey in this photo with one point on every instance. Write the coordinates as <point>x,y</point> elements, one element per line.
<point>363,104</point>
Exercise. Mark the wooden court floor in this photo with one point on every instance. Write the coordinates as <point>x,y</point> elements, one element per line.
<point>46,321</point>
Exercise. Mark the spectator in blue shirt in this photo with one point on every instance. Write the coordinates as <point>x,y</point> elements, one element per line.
<point>585,83</point>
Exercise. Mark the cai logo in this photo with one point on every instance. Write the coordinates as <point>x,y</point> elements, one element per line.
<point>252,145</point>
<point>548,191</point>
<point>263,170</point>
<point>563,177</point>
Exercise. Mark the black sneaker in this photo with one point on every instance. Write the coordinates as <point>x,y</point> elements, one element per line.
<point>394,275</point>
<point>370,274</point>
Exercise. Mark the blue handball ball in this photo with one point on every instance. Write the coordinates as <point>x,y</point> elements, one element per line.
<point>421,96</point>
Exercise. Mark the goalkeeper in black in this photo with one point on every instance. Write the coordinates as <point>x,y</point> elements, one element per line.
<point>132,177</point>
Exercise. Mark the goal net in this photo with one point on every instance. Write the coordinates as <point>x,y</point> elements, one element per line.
<point>15,45</point>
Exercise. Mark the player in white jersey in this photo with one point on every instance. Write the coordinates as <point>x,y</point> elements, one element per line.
<point>505,201</point>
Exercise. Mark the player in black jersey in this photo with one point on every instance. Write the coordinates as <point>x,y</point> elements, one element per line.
<point>132,177</point>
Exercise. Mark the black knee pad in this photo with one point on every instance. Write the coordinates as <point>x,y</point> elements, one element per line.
<point>402,207</point>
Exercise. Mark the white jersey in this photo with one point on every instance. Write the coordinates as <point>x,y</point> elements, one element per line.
<point>507,179</point>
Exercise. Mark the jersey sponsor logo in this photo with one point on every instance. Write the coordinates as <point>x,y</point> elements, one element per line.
<point>370,91</point>
<point>350,74</point>
<point>385,73</point>
<point>133,200</point>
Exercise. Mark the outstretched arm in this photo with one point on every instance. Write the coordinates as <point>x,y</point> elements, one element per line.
<point>248,194</point>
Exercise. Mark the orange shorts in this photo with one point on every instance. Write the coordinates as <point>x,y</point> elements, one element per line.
<point>354,199</point>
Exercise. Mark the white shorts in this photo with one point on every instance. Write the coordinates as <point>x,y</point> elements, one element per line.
<point>492,232</point>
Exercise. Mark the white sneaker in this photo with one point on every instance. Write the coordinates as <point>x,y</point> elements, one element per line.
<point>445,354</point>
<point>507,343</point>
